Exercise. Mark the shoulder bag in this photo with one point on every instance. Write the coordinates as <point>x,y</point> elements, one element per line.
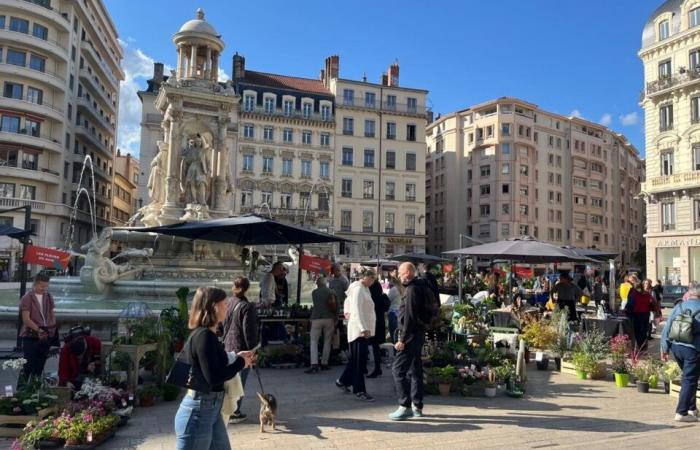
<point>183,373</point>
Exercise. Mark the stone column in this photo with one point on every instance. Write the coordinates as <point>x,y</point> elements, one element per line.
<point>193,61</point>
<point>207,64</point>
<point>220,196</point>
<point>181,62</point>
<point>171,208</point>
<point>215,66</point>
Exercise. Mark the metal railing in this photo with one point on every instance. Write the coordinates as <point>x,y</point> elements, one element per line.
<point>404,108</point>
<point>31,35</point>
<point>670,81</point>
<point>25,98</point>
<point>25,133</point>
<point>280,112</point>
<point>46,72</point>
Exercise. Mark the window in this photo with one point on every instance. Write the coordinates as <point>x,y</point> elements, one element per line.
<point>694,17</point>
<point>324,170</point>
<point>484,210</point>
<point>248,131</point>
<point>306,168</point>
<point>269,105</point>
<point>323,201</point>
<point>410,132</point>
<point>367,221</point>
<point>505,149</point>
<point>391,159</point>
<point>267,164</point>
<point>13,90</point>
<point>369,158</point>
<point>668,216</point>
<point>579,182</point>
<point>524,190</point>
<point>288,107</point>
<point>579,199</point>
<point>391,102</point>
<point>524,210</point>
<point>666,118</point>
<point>27,192</point>
<point>485,190</point>
<point>306,109</point>
<point>410,223</point>
<point>667,162</point>
<point>268,133</point>
<point>505,208</point>
<point>325,139</point>
<point>286,201</point>
<point>369,128</point>
<point>524,170</point>
<point>391,130</point>
<point>484,230</point>
<point>664,30</point>
<point>16,57</point>
<point>665,69</point>
<point>348,126</point>
<point>33,127</point>
<point>345,220</point>
<point>346,188</point>
<point>410,192</point>
<point>505,129</point>
<point>368,189</point>
<point>40,31</point>
<point>390,190</point>
<point>10,124</point>
<point>325,112</point>
<point>7,190</point>
<point>2,26</point>
<point>389,221</point>
<point>411,104</point>
<point>370,99</point>
<point>348,97</point>
<point>247,163</point>
<point>485,171</point>
<point>35,95</point>
<point>696,157</point>
<point>304,200</point>
<point>597,167</point>
<point>596,202</point>
<point>347,156</point>
<point>410,161</point>
<point>505,188</point>
<point>695,109</point>
<point>37,63</point>
<point>19,25</point>
<point>596,219</point>
<point>266,198</point>
<point>287,167</point>
<point>248,103</point>
<point>505,168</point>
<point>288,135</point>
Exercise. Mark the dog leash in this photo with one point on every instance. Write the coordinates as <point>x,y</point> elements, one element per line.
<point>257,374</point>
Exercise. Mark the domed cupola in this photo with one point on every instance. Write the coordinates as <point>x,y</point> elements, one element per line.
<point>198,49</point>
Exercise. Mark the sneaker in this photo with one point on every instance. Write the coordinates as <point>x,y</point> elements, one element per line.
<point>417,412</point>
<point>694,412</point>
<point>342,386</point>
<point>312,369</point>
<point>237,418</point>
<point>326,367</point>
<point>364,397</point>
<point>686,418</point>
<point>402,413</point>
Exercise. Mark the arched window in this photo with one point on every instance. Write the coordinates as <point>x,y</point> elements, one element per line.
<point>664,29</point>
<point>694,17</point>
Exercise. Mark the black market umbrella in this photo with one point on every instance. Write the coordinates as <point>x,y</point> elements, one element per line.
<point>13,232</point>
<point>592,253</point>
<point>380,262</point>
<point>244,230</point>
<point>419,257</point>
<point>523,249</point>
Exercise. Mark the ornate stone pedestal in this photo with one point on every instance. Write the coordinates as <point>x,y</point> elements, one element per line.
<point>194,211</point>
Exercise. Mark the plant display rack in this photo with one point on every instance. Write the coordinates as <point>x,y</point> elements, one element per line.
<point>22,420</point>
<point>600,373</point>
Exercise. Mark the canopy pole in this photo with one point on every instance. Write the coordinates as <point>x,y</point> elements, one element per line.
<point>300,249</point>
<point>461,278</point>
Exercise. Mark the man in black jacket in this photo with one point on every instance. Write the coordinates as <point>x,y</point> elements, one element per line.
<point>408,367</point>
<point>381,306</point>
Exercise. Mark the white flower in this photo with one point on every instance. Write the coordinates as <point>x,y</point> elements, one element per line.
<point>16,364</point>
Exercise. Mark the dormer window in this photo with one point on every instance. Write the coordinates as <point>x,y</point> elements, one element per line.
<point>288,107</point>
<point>269,105</point>
<point>694,17</point>
<point>248,103</point>
<point>664,29</point>
<point>306,110</point>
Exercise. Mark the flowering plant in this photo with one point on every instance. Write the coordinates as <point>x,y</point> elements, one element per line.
<point>470,374</point>
<point>619,349</point>
<point>16,364</point>
<point>95,390</point>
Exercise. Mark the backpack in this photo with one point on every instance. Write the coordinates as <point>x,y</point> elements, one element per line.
<point>582,282</point>
<point>683,328</point>
<point>429,315</point>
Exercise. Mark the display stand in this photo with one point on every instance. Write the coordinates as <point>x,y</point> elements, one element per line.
<point>135,352</point>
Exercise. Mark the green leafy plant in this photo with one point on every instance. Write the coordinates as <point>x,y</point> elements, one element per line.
<point>671,371</point>
<point>539,334</point>
<point>584,362</point>
<point>593,343</point>
<point>560,345</point>
<point>443,375</point>
<point>641,371</point>
<point>505,372</point>
<point>169,392</point>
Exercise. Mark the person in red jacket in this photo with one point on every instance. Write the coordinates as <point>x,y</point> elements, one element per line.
<point>78,358</point>
<point>639,306</point>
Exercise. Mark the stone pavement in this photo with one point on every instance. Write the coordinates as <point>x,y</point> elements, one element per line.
<point>558,411</point>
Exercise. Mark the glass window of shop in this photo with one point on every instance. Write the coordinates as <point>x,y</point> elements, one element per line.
<point>665,269</point>
<point>694,264</point>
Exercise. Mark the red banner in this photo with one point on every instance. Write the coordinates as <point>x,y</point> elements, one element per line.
<point>47,257</point>
<point>447,268</point>
<point>523,272</point>
<point>315,264</point>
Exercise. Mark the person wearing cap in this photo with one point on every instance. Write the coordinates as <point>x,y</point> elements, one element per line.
<point>77,359</point>
<point>322,323</point>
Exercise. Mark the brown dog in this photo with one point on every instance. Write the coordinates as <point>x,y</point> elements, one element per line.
<point>268,410</point>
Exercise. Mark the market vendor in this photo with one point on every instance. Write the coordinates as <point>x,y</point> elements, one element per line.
<point>567,294</point>
<point>80,357</point>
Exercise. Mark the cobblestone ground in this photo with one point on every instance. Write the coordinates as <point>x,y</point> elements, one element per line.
<point>558,411</point>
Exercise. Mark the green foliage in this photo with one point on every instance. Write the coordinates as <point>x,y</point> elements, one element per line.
<point>169,392</point>
<point>149,390</point>
<point>583,361</point>
<point>443,375</point>
<point>560,322</point>
<point>593,343</point>
<point>539,334</point>
<point>505,372</point>
<point>671,371</point>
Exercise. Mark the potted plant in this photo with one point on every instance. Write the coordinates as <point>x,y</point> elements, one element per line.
<point>540,336</point>
<point>619,348</point>
<point>584,364</point>
<point>671,372</point>
<point>595,345</point>
<point>169,392</point>
<point>641,374</point>
<point>559,347</point>
<point>444,377</point>
<point>147,395</point>
<point>490,387</point>
<point>654,365</point>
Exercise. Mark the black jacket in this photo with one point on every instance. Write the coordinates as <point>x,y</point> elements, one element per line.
<point>241,326</point>
<point>381,306</point>
<point>431,282</point>
<point>412,304</point>
<point>210,362</point>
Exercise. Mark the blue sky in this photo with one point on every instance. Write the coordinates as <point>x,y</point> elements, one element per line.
<point>570,57</point>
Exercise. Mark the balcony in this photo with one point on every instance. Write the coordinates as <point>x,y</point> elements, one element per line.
<point>96,88</point>
<point>395,108</point>
<point>39,9</point>
<point>47,77</point>
<point>664,84</point>
<point>410,231</point>
<point>85,104</point>
<point>279,112</point>
<point>41,141</point>
<point>89,50</point>
<point>93,139</point>
<point>29,171</point>
<point>677,181</point>
<point>22,40</point>
<point>24,104</point>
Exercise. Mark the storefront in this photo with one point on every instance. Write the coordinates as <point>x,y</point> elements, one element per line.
<point>674,260</point>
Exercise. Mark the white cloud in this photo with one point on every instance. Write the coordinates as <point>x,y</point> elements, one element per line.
<point>629,119</point>
<point>605,120</point>
<point>576,113</point>
<point>223,76</point>
<point>138,67</point>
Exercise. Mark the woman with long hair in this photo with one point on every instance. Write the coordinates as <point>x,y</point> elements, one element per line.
<point>198,421</point>
<point>639,304</point>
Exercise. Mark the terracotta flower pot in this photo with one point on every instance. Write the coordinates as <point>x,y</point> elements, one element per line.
<point>444,389</point>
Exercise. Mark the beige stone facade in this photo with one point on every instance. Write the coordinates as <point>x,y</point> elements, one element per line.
<point>60,73</point>
<point>379,180</point>
<point>671,101</point>
<point>506,168</point>
<point>124,188</point>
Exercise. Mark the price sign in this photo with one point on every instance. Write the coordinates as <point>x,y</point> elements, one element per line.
<point>89,436</point>
<point>8,390</point>
<point>539,356</point>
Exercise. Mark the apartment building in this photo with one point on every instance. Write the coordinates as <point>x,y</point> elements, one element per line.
<point>124,188</point>
<point>671,101</point>
<point>379,163</point>
<point>60,73</point>
<point>506,168</point>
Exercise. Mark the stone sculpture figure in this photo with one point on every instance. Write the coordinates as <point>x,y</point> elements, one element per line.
<point>155,177</point>
<point>194,171</point>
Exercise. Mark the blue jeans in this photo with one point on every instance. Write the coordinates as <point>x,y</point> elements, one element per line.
<point>198,423</point>
<point>393,325</point>
<point>688,359</point>
<point>244,376</point>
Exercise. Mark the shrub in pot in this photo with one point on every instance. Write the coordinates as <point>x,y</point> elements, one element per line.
<point>641,374</point>
<point>170,392</point>
<point>147,395</point>
<point>444,377</point>
<point>583,363</point>
<point>619,348</point>
<point>490,386</point>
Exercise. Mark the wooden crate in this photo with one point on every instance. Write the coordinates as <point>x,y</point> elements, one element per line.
<point>675,390</point>
<point>567,367</point>
<point>21,420</point>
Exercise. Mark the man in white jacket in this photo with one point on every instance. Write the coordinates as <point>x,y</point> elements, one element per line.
<point>359,313</point>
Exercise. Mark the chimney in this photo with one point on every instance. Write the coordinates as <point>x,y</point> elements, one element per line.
<point>322,76</point>
<point>332,66</point>
<point>384,81</point>
<point>157,73</point>
<point>393,74</point>
<point>238,67</point>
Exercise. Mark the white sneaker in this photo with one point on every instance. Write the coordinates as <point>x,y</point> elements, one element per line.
<point>693,413</point>
<point>686,418</point>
